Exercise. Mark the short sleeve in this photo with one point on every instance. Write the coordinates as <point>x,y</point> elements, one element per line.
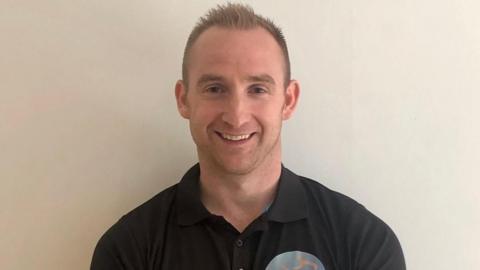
<point>117,249</point>
<point>372,243</point>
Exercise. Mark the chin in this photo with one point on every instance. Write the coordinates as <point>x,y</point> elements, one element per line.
<point>237,167</point>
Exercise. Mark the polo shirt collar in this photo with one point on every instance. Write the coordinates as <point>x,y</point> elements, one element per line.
<point>289,203</point>
<point>190,208</point>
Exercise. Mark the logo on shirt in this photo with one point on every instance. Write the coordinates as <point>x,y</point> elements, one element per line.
<point>295,260</point>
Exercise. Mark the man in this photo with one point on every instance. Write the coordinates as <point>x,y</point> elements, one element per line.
<point>239,208</point>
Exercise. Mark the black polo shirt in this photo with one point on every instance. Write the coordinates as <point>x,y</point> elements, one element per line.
<point>307,226</point>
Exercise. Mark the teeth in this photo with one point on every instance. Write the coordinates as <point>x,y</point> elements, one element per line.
<point>234,137</point>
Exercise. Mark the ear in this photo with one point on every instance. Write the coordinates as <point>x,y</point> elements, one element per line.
<point>181,96</point>
<point>292,94</point>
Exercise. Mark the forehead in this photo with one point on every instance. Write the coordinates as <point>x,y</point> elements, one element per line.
<point>232,51</point>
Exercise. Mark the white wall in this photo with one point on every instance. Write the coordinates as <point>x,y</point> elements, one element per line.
<point>89,129</point>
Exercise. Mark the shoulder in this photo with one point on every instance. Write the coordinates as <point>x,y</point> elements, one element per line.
<point>153,210</point>
<point>154,213</point>
<point>337,207</point>
<point>320,193</point>
<point>331,203</point>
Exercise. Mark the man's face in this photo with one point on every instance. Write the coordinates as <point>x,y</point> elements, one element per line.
<point>236,99</point>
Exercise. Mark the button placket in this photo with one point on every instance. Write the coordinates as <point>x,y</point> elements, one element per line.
<point>239,254</point>
<point>239,242</point>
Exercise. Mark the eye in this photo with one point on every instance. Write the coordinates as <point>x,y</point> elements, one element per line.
<point>258,89</point>
<point>214,89</point>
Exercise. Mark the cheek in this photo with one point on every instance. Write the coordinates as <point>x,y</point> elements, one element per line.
<point>270,115</point>
<point>203,114</point>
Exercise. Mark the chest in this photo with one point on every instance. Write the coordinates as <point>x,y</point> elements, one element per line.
<point>298,245</point>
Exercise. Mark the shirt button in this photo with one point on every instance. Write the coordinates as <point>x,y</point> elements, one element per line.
<point>239,244</point>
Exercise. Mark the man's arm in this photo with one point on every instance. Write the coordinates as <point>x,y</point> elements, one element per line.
<point>117,249</point>
<point>373,244</point>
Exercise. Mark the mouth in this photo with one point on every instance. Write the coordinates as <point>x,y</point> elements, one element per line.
<point>236,137</point>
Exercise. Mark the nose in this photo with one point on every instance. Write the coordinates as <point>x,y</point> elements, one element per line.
<point>236,112</point>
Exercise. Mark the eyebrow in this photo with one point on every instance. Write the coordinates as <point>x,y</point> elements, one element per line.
<point>206,78</point>
<point>265,78</point>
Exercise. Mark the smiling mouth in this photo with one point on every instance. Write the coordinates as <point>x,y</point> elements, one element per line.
<point>234,138</point>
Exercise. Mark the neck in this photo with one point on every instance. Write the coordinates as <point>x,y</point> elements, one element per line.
<point>239,198</point>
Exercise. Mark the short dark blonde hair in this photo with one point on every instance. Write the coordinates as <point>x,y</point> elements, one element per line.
<point>235,16</point>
